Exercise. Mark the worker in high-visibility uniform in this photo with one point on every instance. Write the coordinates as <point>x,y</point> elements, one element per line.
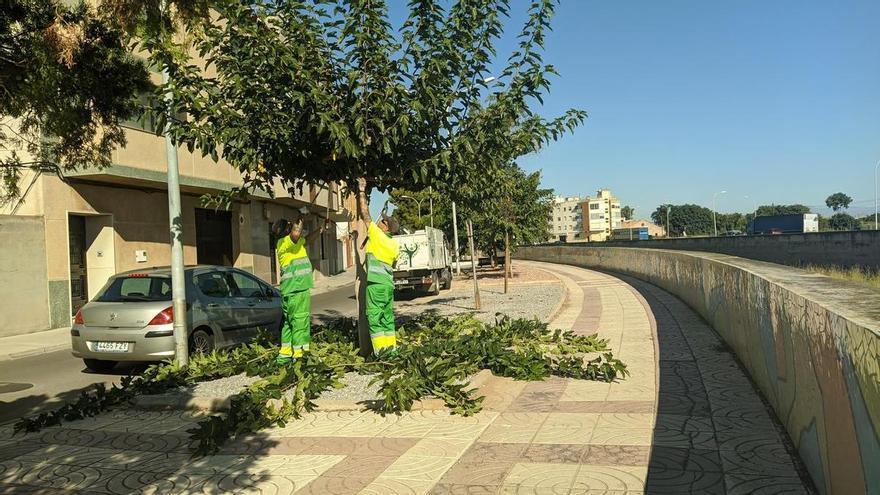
<point>296,282</point>
<point>382,252</point>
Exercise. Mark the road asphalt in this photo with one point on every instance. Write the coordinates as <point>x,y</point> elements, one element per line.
<point>41,382</point>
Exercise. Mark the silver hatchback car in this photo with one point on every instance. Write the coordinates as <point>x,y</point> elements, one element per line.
<point>131,318</point>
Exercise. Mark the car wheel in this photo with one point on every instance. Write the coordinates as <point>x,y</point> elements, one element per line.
<point>99,365</point>
<point>201,342</point>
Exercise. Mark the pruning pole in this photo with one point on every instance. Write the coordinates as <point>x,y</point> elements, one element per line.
<point>470,233</point>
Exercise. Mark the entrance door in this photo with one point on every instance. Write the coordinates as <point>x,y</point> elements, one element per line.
<point>213,237</point>
<point>79,291</point>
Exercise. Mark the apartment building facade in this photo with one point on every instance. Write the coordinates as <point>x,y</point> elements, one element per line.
<point>65,237</point>
<point>565,221</point>
<point>601,215</point>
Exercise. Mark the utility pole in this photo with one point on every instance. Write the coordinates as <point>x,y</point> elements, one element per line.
<point>455,235</point>
<point>470,233</point>
<point>431,204</point>
<point>714,221</point>
<point>178,287</point>
<point>668,232</point>
<point>876,170</point>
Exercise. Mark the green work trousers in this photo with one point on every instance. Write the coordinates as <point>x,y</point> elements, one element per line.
<point>296,331</point>
<point>380,315</point>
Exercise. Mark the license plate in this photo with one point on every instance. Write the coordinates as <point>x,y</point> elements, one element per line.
<point>401,282</point>
<point>111,346</point>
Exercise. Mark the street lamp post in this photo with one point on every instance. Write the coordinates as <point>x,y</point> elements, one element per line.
<point>418,204</point>
<point>714,220</point>
<point>876,170</point>
<point>668,232</point>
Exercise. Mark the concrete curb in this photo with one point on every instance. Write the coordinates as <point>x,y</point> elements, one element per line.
<point>34,352</point>
<point>178,402</point>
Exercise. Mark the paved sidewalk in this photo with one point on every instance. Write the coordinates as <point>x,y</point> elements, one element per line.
<point>31,344</point>
<point>686,421</point>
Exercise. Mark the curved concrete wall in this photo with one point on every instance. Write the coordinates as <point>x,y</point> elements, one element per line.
<point>810,343</point>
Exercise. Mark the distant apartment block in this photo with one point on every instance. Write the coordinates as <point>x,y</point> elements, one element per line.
<point>565,221</point>
<point>601,215</point>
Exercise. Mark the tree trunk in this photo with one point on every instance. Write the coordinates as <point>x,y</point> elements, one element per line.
<point>506,258</point>
<point>360,261</point>
<point>470,232</point>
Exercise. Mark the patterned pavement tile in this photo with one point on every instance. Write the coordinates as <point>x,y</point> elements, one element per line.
<point>420,468</point>
<point>255,484</point>
<point>514,428</point>
<point>549,453</point>
<point>623,406</point>
<point>623,420</point>
<point>617,455</point>
<point>680,481</point>
<point>326,485</point>
<point>620,478</point>
<point>738,484</point>
<point>455,489</point>
<point>555,478</point>
<point>687,459</point>
<point>54,476</point>
<point>288,465</point>
<point>477,473</point>
<point>561,428</point>
<point>494,452</point>
<point>119,482</point>
<point>622,436</point>
<point>366,467</point>
<point>758,456</point>
<point>392,486</point>
<point>440,447</point>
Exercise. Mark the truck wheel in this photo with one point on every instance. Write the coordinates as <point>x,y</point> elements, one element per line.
<point>434,289</point>
<point>447,279</point>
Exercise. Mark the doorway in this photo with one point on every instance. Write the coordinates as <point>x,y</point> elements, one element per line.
<point>273,260</point>
<point>79,291</point>
<point>213,237</point>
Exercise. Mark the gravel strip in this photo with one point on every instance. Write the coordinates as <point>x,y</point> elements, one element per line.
<point>521,301</point>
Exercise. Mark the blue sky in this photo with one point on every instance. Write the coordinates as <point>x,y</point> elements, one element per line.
<point>778,100</point>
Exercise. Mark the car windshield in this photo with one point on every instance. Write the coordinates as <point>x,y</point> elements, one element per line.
<point>137,289</point>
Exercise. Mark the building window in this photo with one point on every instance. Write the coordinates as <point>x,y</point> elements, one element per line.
<point>594,206</point>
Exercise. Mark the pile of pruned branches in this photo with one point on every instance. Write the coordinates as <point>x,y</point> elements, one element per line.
<point>436,356</point>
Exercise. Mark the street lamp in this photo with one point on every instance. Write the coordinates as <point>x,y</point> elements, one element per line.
<point>754,209</point>
<point>668,232</point>
<point>714,220</point>
<point>418,204</point>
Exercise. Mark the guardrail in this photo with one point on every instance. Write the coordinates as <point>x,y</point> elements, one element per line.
<point>810,343</point>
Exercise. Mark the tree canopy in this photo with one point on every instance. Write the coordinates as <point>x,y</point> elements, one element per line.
<point>838,201</point>
<point>773,209</point>
<point>688,218</point>
<point>67,79</point>
<point>627,212</point>
<point>329,91</point>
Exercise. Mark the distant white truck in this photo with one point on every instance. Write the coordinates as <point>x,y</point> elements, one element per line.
<point>424,263</point>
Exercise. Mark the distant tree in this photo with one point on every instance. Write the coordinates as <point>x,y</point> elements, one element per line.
<point>842,221</point>
<point>731,221</point>
<point>795,209</point>
<point>838,201</point>
<point>693,219</point>
<point>627,212</point>
<point>406,209</point>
